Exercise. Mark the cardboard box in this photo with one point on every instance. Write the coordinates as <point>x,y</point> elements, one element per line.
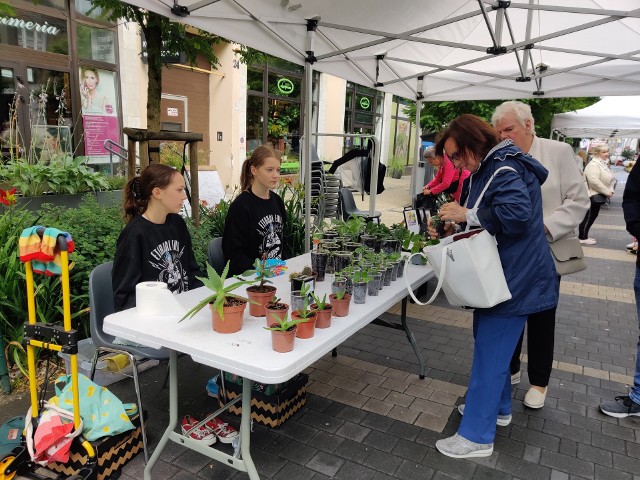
<point>270,410</point>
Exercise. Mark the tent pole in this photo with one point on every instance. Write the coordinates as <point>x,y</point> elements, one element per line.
<point>416,153</point>
<point>308,81</point>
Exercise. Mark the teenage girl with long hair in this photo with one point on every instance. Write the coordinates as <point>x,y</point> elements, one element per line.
<point>254,227</point>
<point>155,245</point>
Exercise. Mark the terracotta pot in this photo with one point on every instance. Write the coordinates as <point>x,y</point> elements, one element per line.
<point>278,312</point>
<point>232,321</point>
<point>305,329</point>
<point>340,307</point>
<point>323,317</point>
<point>261,299</point>
<point>282,342</point>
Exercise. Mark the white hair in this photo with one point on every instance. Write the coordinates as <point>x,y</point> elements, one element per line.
<point>521,110</point>
<point>430,152</point>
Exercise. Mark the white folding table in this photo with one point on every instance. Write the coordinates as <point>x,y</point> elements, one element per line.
<point>248,353</point>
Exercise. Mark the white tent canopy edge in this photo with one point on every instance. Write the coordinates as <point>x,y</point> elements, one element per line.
<point>463,49</point>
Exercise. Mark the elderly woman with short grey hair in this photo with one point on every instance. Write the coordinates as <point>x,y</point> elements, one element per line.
<point>599,180</point>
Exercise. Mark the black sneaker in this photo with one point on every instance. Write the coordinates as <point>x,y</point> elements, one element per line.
<point>621,407</point>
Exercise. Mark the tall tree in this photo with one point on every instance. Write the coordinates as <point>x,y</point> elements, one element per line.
<point>160,35</point>
<point>435,115</point>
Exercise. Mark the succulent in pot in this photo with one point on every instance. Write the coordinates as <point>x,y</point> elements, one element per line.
<point>227,308</point>
<point>323,309</point>
<point>283,333</point>
<point>262,293</point>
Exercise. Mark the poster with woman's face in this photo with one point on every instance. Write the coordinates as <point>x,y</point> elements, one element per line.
<point>98,91</point>
<point>99,111</point>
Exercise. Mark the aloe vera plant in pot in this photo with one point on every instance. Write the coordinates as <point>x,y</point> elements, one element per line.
<point>283,333</point>
<point>323,309</point>
<point>227,308</point>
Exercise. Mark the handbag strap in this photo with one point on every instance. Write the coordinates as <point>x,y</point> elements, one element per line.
<point>443,270</point>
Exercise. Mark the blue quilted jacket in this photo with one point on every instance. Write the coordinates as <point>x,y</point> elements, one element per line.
<point>511,209</point>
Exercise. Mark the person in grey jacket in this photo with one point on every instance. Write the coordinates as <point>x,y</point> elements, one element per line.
<point>564,204</point>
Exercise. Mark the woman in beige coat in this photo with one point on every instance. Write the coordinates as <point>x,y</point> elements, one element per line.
<point>599,180</point>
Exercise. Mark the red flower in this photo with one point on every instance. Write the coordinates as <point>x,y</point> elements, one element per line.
<point>8,197</point>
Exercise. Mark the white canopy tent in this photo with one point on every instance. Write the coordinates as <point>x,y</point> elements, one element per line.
<point>612,117</point>
<point>435,50</point>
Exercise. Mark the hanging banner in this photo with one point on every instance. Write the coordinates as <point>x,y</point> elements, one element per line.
<point>99,112</point>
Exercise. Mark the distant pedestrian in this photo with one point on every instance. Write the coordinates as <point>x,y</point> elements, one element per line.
<point>600,182</point>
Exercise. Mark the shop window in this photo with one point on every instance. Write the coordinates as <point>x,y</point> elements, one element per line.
<point>34,31</point>
<point>85,7</point>
<point>284,85</point>
<point>254,122</point>
<point>171,126</point>
<point>254,80</point>
<point>96,44</point>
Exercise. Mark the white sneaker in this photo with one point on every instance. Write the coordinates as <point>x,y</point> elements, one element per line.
<point>515,378</point>
<point>502,421</point>
<point>588,241</point>
<point>534,398</point>
<point>459,447</point>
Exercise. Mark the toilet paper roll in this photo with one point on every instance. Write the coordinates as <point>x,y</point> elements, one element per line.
<point>155,299</point>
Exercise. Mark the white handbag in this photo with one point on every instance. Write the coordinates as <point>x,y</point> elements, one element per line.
<point>468,267</point>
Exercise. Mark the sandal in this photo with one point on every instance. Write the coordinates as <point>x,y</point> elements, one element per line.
<point>225,432</point>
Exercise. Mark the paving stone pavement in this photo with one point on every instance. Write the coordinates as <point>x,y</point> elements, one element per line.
<point>369,416</point>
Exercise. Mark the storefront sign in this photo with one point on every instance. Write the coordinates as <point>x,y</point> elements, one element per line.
<point>285,86</point>
<point>166,56</point>
<point>102,45</point>
<point>29,25</point>
<point>172,112</point>
<point>365,103</point>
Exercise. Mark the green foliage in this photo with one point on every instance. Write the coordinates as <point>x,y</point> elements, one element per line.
<point>262,272</point>
<point>285,323</point>
<point>171,154</point>
<point>117,182</point>
<point>321,303</point>
<point>293,197</point>
<point>63,174</point>
<point>94,228</point>
<point>628,154</point>
<point>221,293</point>
<point>396,165</point>
<point>436,115</point>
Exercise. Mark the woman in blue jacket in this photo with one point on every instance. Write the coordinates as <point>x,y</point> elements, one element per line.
<point>511,209</point>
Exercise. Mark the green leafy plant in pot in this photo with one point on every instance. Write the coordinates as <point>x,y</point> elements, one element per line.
<point>262,293</point>
<point>323,309</point>
<point>283,333</point>
<point>306,328</point>
<point>276,308</point>
<point>227,308</point>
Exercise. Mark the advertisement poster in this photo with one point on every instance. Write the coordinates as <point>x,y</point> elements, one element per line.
<point>99,111</point>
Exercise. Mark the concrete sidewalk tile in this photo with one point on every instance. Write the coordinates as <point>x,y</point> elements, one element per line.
<point>444,398</point>
<point>347,384</point>
<point>319,388</point>
<point>447,387</point>
<point>593,372</point>
<point>399,399</point>
<point>431,408</point>
<point>374,391</point>
<point>403,414</point>
<point>431,422</point>
<point>624,379</point>
<point>396,374</point>
<point>377,406</point>
<point>415,390</point>
<point>391,384</point>
<point>348,397</point>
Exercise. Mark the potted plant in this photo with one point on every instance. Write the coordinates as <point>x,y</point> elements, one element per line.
<point>360,279</point>
<point>395,167</point>
<point>307,316</point>
<point>227,308</point>
<point>300,278</point>
<point>283,333</point>
<point>275,308</point>
<point>262,293</point>
<point>340,301</point>
<point>323,311</point>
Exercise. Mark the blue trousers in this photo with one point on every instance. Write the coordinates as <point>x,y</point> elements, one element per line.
<point>635,391</point>
<point>489,392</point>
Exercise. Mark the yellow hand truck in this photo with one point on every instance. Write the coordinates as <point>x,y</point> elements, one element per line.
<point>56,339</point>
